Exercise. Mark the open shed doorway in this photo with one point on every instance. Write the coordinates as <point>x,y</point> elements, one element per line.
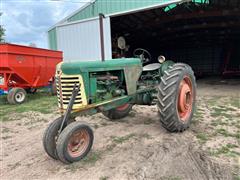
<point>204,35</point>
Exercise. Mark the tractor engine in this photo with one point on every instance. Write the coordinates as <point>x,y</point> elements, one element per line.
<point>105,86</point>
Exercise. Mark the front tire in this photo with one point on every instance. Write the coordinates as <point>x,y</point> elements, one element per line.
<point>119,112</point>
<point>74,142</point>
<point>50,137</point>
<point>176,97</point>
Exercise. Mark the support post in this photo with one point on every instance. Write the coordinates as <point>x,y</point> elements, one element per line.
<point>101,16</point>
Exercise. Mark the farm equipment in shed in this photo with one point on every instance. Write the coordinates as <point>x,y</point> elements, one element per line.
<point>23,69</point>
<point>112,87</point>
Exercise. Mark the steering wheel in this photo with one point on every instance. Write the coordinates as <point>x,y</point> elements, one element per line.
<point>143,54</point>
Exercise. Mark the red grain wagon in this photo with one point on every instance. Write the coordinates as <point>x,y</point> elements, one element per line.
<point>23,69</point>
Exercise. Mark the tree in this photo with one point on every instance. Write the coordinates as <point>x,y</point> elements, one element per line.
<point>2,31</point>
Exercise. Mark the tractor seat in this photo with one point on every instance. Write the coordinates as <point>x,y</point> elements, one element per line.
<point>151,67</point>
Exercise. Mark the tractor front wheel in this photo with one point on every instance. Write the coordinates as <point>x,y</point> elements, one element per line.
<point>176,97</point>
<point>74,142</point>
<point>119,112</point>
<point>16,96</point>
<point>50,137</point>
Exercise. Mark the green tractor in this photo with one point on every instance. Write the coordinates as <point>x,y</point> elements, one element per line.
<point>113,87</point>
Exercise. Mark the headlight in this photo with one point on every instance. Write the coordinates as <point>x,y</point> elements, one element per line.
<point>161,59</point>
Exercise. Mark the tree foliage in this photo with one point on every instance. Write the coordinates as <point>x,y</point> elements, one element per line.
<point>2,31</point>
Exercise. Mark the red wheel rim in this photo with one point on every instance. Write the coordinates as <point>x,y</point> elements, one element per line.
<point>78,143</point>
<point>123,107</point>
<point>185,99</point>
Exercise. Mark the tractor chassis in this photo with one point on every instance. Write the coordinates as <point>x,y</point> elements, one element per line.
<point>105,105</point>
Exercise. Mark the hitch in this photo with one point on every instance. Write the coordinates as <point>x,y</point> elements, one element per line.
<point>66,115</point>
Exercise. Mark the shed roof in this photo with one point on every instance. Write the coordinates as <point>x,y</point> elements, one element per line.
<point>110,7</point>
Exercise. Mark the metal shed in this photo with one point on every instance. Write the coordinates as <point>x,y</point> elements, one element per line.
<point>203,33</point>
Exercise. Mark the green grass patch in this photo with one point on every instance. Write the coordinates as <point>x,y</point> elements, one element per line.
<point>103,178</point>
<point>92,157</point>
<point>41,102</point>
<point>236,177</point>
<point>148,121</point>
<point>213,101</point>
<point>199,114</point>
<point>217,112</point>
<point>219,122</point>
<point>226,150</point>
<point>170,178</point>
<point>235,102</point>
<point>225,133</point>
<point>120,140</point>
<point>203,137</point>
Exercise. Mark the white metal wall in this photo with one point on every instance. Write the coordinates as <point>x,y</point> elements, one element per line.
<point>81,41</point>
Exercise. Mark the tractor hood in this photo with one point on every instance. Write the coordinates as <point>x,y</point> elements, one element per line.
<point>94,66</point>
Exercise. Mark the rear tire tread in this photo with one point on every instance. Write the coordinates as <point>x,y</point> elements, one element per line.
<point>166,94</point>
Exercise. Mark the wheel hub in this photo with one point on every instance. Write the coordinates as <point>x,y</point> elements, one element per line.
<point>78,143</point>
<point>19,97</point>
<point>185,99</point>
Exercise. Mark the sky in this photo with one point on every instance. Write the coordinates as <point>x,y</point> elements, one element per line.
<point>27,21</point>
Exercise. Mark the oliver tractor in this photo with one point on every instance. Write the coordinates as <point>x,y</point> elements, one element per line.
<point>112,88</point>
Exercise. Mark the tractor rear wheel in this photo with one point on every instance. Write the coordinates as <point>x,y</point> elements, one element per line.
<point>16,96</point>
<point>74,142</point>
<point>119,112</point>
<point>50,137</point>
<point>176,97</point>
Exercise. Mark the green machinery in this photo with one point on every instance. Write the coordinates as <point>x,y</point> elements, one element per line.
<point>112,87</point>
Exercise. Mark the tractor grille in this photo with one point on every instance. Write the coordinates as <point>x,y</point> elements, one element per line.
<point>65,84</point>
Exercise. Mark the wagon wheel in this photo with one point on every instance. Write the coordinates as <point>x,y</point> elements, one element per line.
<point>176,97</point>
<point>119,112</point>
<point>16,96</point>
<point>74,142</point>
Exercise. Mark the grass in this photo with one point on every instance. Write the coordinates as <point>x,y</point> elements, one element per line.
<point>41,102</point>
<point>149,121</point>
<point>202,137</point>
<point>120,140</point>
<point>170,178</point>
<point>226,150</point>
<point>236,177</point>
<point>235,102</point>
<point>220,112</point>
<point>91,159</point>
<point>104,178</point>
<point>225,133</point>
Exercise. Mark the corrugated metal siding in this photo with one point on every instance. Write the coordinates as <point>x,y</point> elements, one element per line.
<point>52,39</point>
<point>81,41</point>
<point>113,6</point>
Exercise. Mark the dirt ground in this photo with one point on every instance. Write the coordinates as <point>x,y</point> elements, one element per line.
<point>136,147</point>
